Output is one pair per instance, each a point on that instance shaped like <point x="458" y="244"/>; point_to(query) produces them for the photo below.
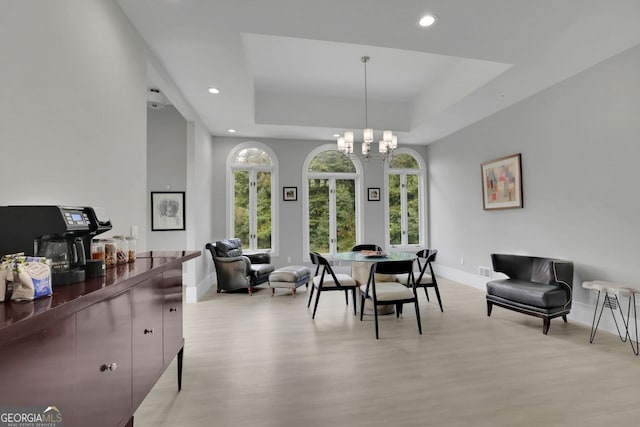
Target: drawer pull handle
<point x="109" y="367"/>
<point x="172" y="310"/>
<point x="148" y="331"/>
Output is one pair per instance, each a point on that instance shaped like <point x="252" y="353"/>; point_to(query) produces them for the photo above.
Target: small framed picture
<point x="289" y="194"/>
<point x="167" y="210"/>
<point x="373" y="194"/>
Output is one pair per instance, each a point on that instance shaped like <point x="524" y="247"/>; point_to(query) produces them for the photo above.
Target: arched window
<point x="332" y="200"/>
<point x="405" y="184"/>
<point x="252" y="179"/>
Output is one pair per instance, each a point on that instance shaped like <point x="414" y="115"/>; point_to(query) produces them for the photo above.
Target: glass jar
<point x="131" y="241"/>
<point x="110" y="252"/>
<point x="122" y="249"/>
<point x="97" y="249"/>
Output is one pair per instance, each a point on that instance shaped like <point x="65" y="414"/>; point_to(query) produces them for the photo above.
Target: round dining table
<point x="361" y="263"/>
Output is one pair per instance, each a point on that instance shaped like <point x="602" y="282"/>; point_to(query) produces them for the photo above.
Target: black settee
<point x="540" y="287"/>
<point x="235" y="270"/>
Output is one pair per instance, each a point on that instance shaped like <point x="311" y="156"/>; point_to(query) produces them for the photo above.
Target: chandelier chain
<point x="365" y="59"/>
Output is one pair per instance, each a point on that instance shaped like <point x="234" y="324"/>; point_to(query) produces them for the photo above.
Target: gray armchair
<point x="235" y="270"/>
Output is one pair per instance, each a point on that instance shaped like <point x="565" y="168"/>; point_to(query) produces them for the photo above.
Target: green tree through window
<point x="252" y="173"/>
<point x="332" y="202"/>
<point x="404" y="200"/>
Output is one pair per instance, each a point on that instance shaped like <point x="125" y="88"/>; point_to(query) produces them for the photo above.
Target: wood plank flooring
<point x="262" y="361"/>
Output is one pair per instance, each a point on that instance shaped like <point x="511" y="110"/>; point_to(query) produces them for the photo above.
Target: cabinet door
<point x="103" y="363"/>
<point x="37" y="369"/>
<point x="172" y="317"/>
<point x="146" y="321"/>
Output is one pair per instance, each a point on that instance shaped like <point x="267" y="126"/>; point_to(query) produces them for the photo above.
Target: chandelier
<point x="387" y="144"/>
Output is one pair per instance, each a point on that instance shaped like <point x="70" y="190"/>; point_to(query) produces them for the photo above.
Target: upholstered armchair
<point x="236" y="270"/>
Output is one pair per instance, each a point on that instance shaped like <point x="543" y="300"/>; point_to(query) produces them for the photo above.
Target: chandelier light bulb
<point x="368" y="135"/>
<point x="348" y="137"/>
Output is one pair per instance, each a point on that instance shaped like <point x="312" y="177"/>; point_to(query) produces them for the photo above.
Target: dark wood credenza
<point x="95" y="349"/>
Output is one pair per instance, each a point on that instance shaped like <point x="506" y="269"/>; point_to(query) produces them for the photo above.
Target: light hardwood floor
<point x="262" y="361"/>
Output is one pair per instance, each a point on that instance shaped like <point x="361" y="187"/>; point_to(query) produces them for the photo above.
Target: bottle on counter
<point x="131" y="241"/>
<point x="97" y="249"/>
<point x="122" y="249"/>
<point x="110" y="252"/>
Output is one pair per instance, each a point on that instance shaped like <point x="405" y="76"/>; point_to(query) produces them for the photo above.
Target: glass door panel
<point x="319" y="224"/>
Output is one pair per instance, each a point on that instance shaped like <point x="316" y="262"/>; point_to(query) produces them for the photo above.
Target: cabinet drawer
<point x="103" y="362"/>
<point x="172" y="314"/>
<point x="147" y="331"/>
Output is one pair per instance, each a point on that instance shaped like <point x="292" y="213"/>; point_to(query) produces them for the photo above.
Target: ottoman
<point x="290" y="277"/>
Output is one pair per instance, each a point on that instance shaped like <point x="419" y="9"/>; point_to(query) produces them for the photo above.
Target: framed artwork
<point x="502" y="183"/>
<point x="167" y="210"/>
<point x="373" y="194"/>
<point x="289" y="194"/>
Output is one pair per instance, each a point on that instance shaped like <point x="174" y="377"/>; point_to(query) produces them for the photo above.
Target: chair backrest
<point x="366" y="247"/>
<point x="391" y="268"/>
<point x="424" y="258"/>
<point x="321" y="262"/>
<point x="534" y="269"/>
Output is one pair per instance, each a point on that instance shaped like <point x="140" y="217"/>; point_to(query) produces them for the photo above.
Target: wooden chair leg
<point x="489" y="307"/>
<point x="418" y="317"/>
<point x="564" y="317"/>
<point x="375" y="315"/>
<point x="315" y="307"/>
<point x="313" y="288"/>
<point x="354" y="301"/>
<point x="546" y="322"/>
<point x="438" y="296"/>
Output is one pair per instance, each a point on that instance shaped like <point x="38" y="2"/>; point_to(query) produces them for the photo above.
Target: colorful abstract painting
<point x="502" y="183"/>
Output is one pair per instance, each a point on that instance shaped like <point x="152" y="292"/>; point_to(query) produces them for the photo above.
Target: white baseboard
<point x="195" y="293"/>
<point x="580" y="312"/>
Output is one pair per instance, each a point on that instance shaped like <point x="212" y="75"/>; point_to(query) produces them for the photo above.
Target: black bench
<point x="540" y="287"/>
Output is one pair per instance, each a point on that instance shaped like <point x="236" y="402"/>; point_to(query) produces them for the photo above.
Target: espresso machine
<point x="60" y="233"/>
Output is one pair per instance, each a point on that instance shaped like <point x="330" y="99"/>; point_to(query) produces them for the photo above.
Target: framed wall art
<point x="289" y="194"/>
<point x="373" y="194"/>
<point x="167" y="210"/>
<point x="502" y="183"/>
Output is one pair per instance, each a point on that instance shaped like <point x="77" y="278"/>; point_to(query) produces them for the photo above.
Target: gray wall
<point x="580" y="150"/>
<point x="73" y="122"/>
<point x="166" y="168"/>
<point x="73" y="109"/>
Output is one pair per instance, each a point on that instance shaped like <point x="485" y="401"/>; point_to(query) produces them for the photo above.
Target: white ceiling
<point x="292" y="69"/>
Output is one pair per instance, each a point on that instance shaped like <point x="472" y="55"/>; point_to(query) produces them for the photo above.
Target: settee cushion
<point x="528" y="292"/>
<point x="260" y="270"/>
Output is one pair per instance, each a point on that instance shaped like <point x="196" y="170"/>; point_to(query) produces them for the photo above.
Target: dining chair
<point x="325" y="279"/>
<point x="424" y="277"/>
<point x="390" y="293"/>
<point x="366" y="247"/>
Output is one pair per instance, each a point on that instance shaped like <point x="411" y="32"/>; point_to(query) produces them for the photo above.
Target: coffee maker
<point x="60" y="233"/>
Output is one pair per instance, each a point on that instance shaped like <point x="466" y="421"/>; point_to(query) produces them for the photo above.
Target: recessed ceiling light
<point x="231" y="130"/>
<point x="427" y="20"/>
<point x="214" y="90"/>
<point x="335" y="135"/>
